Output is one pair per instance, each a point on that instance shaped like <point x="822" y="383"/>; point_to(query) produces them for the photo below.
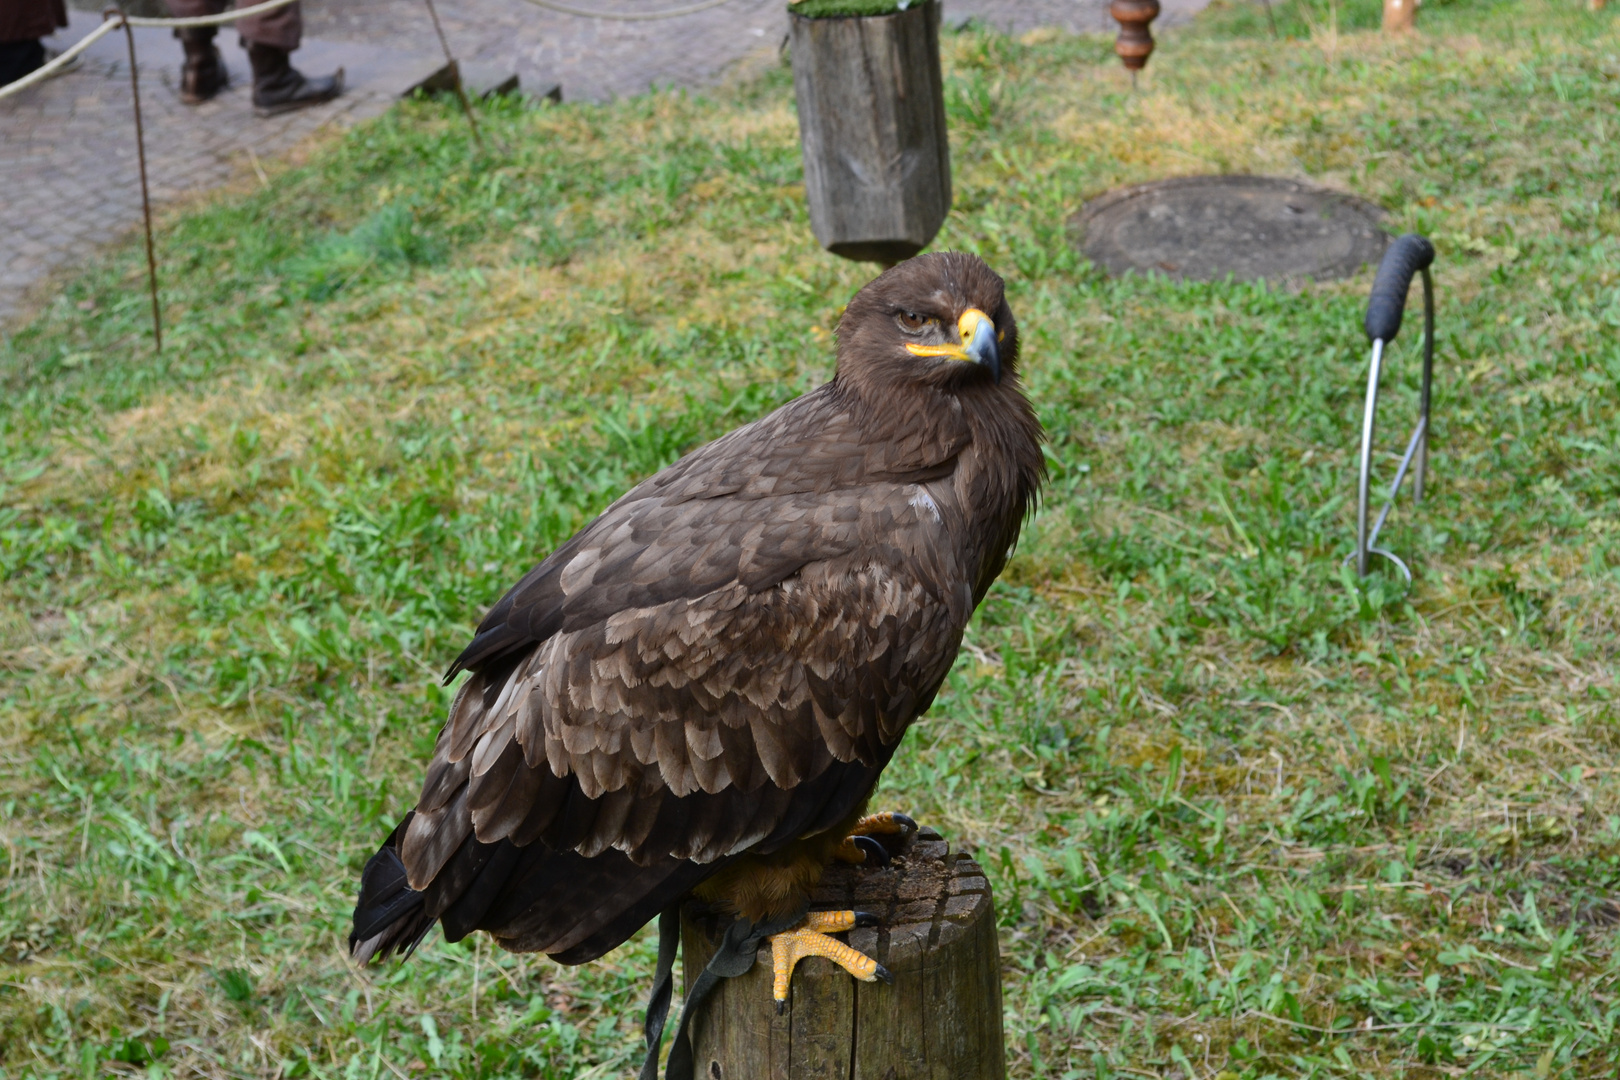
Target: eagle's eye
<point x="911" y="322"/>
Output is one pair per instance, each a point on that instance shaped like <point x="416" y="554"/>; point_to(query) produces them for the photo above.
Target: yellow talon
<point x="872" y="852"/>
<point x="810" y="938"/>
<point x="887" y="823"/>
<point x="849" y="851"/>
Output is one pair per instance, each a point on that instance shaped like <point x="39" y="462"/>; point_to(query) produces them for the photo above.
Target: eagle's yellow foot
<point x="861" y="849"/>
<point x="887" y="823"/>
<point x="810" y="938"/>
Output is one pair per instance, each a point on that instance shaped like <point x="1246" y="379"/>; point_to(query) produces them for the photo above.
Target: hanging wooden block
<point x="877" y="165"/>
<point x="1135" y="42"/>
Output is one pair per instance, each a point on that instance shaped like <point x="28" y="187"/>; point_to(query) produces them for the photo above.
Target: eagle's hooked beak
<point x="979" y="343"/>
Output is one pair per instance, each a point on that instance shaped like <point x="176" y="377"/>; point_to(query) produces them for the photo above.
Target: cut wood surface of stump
<point x="939" y="1020"/>
<point x="871" y="99"/>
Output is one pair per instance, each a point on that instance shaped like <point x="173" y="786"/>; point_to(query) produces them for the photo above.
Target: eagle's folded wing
<point x="735" y="694"/>
<point x="693" y="676"/>
<point x="737" y="687"/>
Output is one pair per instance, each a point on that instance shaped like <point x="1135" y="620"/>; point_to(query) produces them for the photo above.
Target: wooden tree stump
<point x="940" y="1020"/>
<point x="877" y="163"/>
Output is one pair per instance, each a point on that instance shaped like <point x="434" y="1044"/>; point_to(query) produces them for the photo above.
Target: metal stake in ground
<point x="1407" y="256"/>
<point x="455" y="71"/>
<point x="146" y="197"/>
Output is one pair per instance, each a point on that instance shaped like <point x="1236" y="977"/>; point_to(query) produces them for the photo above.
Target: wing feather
<point x="548" y="803"/>
<point x="498" y="814"/>
<point x="444" y="778"/>
<point x="433" y="837"/>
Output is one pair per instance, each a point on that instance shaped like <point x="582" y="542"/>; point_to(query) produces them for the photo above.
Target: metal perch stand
<point x="1408" y="255"/>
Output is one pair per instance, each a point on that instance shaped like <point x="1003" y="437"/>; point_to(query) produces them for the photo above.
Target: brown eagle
<point x="695" y="695"/>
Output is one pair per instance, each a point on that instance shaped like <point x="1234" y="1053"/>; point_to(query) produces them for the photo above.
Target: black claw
<point x="781" y="1008"/>
<point x="904" y="821"/>
<point x="876" y="853"/>
<point x="883" y="973"/>
<point x="866" y="918"/>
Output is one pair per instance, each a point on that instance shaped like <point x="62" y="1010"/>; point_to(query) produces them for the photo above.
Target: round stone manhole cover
<point x="1206" y="227"/>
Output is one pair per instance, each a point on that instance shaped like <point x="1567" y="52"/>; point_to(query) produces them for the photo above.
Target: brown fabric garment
<point x="282" y="28"/>
<point x="711" y="675"/>
<point x="28" y="20"/>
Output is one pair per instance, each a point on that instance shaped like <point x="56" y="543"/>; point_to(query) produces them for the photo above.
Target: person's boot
<point x="204" y="73"/>
<point x="278" y="86"/>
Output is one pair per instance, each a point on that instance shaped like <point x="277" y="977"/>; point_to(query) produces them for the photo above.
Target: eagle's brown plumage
<point x="698" y="691"/>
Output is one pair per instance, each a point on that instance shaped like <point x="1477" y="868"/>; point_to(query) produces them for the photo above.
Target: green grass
<point x="824" y="9"/>
<point x="1243" y="818"/>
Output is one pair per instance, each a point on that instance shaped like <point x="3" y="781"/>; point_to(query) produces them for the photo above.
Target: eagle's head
<point x="939" y="320"/>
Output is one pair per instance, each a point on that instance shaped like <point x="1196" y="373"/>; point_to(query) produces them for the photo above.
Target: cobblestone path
<point x="67" y="148"/>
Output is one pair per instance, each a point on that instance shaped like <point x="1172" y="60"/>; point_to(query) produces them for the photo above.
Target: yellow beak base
<point x="979" y="343"/>
<point x="967" y="327"/>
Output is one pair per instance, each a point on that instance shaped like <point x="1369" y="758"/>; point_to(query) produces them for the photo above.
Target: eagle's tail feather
<point x="531" y="899"/>
<point x="486" y="872"/>
<point x="634" y="900"/>
<point x="536" y="899"/>
<point x="389" y="916"/>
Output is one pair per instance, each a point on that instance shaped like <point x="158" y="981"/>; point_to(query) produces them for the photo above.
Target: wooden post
<point x="877" y="164"/>
<point x="940" y="1020"/>
<point x="1400" y="16"/>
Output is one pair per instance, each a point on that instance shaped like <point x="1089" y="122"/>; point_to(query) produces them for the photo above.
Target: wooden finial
<point x="1135" y="42"/>
<point x="1400" y="16"/>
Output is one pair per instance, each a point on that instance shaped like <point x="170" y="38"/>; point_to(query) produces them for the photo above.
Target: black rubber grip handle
<point x="1405" y="257"/>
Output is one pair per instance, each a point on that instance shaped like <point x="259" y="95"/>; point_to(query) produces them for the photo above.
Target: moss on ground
<point x="1242" y="817"/>
<point x="825" y="9"/>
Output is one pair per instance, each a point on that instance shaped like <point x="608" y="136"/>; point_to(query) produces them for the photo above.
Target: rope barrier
<point x="629" y="16"/>
<point x="118" y="21"/>
<point x="115" y="19"/>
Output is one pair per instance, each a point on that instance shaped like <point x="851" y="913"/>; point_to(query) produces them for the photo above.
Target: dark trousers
<point x="19" y="58"/>
<point x="282" y="28"/>
<point x="22" y="24"/>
